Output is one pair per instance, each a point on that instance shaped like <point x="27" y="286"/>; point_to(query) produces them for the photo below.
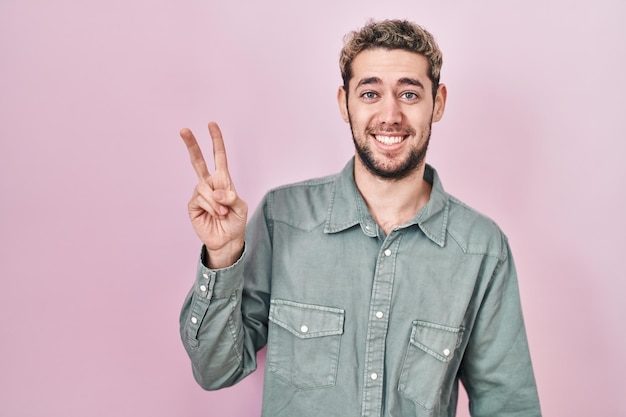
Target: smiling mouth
<point x="389" y="140"/>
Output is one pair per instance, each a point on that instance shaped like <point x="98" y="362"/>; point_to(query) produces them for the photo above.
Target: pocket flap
<point x="306" y="320"/>
<point x="435" y="339"/>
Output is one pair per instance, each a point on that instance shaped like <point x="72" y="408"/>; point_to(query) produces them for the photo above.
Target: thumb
<point x="229" y="199"/>
<point x="219" y="195"/>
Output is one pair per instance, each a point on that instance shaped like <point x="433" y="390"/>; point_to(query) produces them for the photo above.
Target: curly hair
<point x="391" y="34"/>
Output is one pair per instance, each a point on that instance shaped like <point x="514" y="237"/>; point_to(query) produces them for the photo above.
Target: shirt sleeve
<point x="223" y="323"/>
<point x="496" y="370"/>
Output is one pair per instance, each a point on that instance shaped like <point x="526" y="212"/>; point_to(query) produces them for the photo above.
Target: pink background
<point x="97" y="252"/>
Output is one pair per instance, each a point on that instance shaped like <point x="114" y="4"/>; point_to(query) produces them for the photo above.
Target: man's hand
<point x="217" y="213"/>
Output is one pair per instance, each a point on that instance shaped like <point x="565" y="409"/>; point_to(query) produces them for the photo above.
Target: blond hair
<point x="391" y="34"/>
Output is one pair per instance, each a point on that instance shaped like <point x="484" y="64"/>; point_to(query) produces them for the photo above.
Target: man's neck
<point x="392" y="202"/>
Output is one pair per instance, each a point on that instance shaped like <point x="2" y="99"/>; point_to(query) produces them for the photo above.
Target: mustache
<point x="396" y="130"/>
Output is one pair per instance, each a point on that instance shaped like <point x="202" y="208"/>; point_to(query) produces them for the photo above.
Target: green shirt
<point x="359" y="323"/>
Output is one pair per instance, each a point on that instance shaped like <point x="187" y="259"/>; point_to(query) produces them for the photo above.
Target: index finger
<point x="219" y="150"/>
<point x="195" y="154"/>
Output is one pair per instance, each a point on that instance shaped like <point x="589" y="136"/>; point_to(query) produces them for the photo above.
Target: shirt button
<point x="388" y="252"/>
<point x="374" y="376"/>
<point x="203" y="288"/>
<point x="206" y="276"/>
<point x="304" y="329"/>
<point x="379" y="315"/>
<point x="446" y="352"/>
<point x="194" y="320"/>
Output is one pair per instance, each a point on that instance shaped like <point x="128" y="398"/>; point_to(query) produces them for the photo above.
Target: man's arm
<point x="496" y="370"/>
<point x="220" y="343"/>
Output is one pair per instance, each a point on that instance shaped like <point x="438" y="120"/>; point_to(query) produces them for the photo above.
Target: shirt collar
<point x="347" y="208"/>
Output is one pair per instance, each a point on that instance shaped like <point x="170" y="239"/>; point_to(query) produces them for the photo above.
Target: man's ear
<point x="342" y="100"/>
<point x="440" y="102"/>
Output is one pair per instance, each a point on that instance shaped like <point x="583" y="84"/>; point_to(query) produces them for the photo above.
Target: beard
<point x="411" y="163"/>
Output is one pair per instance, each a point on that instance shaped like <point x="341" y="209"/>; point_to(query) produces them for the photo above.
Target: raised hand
<point x="217" y="213"/>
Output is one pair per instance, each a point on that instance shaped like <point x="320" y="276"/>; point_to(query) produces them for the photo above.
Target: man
<point x="375" y="291"/>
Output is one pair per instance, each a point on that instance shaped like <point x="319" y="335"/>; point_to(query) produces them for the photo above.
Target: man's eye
<point x="369" y="95"/>
<point x="409" y="95"/>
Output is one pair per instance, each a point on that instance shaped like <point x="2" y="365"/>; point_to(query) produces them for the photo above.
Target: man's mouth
<point x="389" y="140"/>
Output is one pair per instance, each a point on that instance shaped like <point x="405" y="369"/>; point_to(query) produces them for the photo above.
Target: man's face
<point x="390" y="109"/>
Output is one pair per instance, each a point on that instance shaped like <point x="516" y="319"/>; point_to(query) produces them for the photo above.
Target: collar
<point x="346" y="207"/>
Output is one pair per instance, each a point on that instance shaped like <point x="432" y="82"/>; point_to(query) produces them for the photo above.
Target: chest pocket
<point x="431" y="348"/>
<point x="304" y="341"/>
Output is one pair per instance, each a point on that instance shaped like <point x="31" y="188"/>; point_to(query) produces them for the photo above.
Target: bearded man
<point x="374" y="290"/>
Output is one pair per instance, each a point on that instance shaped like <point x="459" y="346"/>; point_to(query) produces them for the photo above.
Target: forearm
<point x="224" y="322"/>
<point x="225" y="257"/>
<point x="212" y="328"/>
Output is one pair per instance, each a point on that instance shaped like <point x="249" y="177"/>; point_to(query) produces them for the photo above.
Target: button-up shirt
<point x="360" y="323"/>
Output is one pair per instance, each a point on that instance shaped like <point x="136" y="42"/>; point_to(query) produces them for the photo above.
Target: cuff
<point x="219" y="283"/>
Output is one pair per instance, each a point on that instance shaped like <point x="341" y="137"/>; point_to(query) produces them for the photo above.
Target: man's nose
<point x="390" y="112"/>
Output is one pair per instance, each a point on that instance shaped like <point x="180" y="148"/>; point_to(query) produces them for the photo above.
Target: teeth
<point x="388" y="140"/>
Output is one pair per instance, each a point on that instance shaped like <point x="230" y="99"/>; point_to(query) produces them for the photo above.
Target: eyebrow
<point x="369" y="80"/>
<point x="411" y="81"/>
<point x="401" y="81"/>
